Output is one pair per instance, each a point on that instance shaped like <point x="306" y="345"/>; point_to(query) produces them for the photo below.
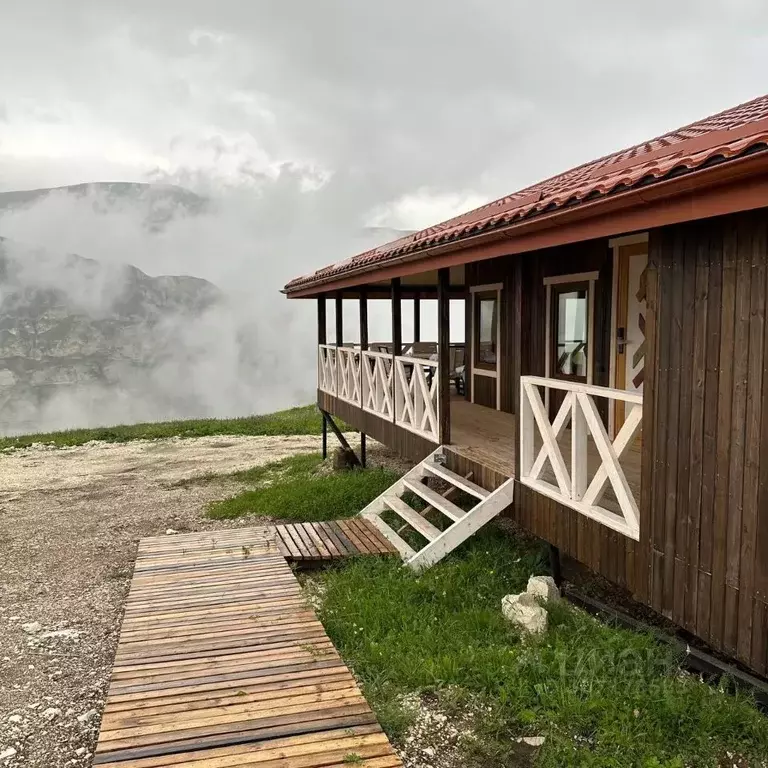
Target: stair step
<point x="433" y="498"/>
<point x="460" y="482"/>
<point x="406" y="551"/>
<point x="412" y="517"/>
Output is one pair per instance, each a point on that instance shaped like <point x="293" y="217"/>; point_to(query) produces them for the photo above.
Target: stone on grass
<point x="343" y="458"/>
<point x="524" y="611"/>
<point x="531" y="741"/>
<point x="543" y="587"/>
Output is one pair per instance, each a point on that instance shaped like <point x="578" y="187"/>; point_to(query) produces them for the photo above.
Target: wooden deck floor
<point x="222" y="663"/>
<point x="487" y="436"/>
<point x="484" y="435"/>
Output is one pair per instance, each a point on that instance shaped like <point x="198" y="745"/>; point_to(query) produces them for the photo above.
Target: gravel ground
<point x="70" y="519"/>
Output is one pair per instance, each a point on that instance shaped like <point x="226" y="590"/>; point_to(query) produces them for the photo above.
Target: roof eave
<point x="516" y="237"/>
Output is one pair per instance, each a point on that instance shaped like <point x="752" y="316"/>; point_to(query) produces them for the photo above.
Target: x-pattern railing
<point x="402" y="389"/>
<point x="416" y="387"/>
<point x="348" y="375"/>
<point x="573" y="486"/>
<point x="326" y="368"/>
<point x="377" y="384"/>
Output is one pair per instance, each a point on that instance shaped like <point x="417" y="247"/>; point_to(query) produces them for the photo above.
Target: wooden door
<point x="629" y="331"/>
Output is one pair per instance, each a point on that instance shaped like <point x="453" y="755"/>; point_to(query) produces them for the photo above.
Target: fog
<point x="251" y="351"/>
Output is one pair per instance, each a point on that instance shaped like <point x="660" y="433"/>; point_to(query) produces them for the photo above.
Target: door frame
<point x="494" y="374"/>
<point x="620" y="295"/>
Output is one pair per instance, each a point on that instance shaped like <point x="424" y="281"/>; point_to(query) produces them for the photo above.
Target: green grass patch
<point x="304" y="420"/>
<point x="293" y="489"/>
<point x="602" y="695"/>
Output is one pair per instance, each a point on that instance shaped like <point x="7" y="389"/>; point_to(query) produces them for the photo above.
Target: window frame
<point x="477" y="298"/>
<point x="556" y="290"/>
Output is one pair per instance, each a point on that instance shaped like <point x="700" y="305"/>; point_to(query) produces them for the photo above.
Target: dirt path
<point x="69" y="523"/>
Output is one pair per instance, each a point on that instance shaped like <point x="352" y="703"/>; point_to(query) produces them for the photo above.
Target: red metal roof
<point x="725" y="135"/>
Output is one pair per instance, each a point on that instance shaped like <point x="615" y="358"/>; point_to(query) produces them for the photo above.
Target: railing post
<point x="526" y="430"/>
<point x="578" y="451"/>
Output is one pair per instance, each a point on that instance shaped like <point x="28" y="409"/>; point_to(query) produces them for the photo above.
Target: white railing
<point x="348" y="375"/>
<point x="378" y="369"/>
<point x="326" y="368"/>
<point x="573" y="485"/>
<point x="416" y="388"/>
<point x="401" y="389"/>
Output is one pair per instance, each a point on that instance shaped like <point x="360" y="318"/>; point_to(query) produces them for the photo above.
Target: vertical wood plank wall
<point x="705" y="434"/>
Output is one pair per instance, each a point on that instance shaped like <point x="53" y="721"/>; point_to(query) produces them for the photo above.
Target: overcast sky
<point x="401" y="112"/>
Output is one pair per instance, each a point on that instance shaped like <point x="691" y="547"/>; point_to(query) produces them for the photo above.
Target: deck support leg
<point x="325" y="436"/>
<point x="340" y="437"/>
<point x="362" y="450"/>
<point x="555" y="565"/>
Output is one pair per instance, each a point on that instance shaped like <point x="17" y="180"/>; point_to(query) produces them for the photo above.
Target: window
<point x="486" y="329"/>
<point x="570" y="328"/>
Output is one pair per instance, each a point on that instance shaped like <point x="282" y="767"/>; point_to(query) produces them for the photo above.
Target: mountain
<point x="159" y="202"/>
<point x="69" y="323"/>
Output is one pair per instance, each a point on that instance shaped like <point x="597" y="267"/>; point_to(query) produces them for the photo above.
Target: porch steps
<point x="456" y="523"/>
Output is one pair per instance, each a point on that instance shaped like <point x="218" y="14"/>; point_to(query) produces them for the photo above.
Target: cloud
<point x="305" y="122"/>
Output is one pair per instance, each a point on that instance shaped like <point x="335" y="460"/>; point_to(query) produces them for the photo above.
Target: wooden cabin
<point x="611" y="390"/>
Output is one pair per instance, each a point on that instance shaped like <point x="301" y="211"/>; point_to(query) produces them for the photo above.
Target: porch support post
<point x="321" y="339"/>
<point x="444" y="355"/>
<point x="363" y="348"/>
<point x="321" y="321"/>
<point x="397" y="320"/>
<point x="339" y="319"/>
<point x="416" y="317"/>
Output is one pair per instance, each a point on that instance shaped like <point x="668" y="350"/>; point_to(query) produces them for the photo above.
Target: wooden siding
<point x="485" y="391"/>
<point x="482" y="474"/>
<point x="704" y="511"/>
<point x="406" y="443"/>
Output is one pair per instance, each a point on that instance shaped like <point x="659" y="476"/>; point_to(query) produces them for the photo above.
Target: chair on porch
<point x="457" y="367"/>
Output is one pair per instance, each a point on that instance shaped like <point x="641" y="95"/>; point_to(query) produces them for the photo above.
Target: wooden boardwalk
<point x="221" y="663"/>
<point x="302" y="542"/>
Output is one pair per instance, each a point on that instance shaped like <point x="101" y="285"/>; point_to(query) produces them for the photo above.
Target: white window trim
<point x="471" y="357"/>
<point x="579" y="277"/>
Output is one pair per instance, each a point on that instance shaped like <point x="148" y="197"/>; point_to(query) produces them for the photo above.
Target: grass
<point x="304" y="420"/>
<point x="293" y="489"/>
<point x="602" y="695"/>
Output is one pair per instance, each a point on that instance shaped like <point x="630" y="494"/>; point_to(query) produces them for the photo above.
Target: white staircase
<point x="458" y="524"/>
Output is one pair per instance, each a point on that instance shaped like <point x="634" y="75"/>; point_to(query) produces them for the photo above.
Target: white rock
<point x="15" y="719"/>
<point x="543" y="587"/>
<point x="87" y="716"/>
<point x="7" y="752"/>
<point x="533" y="741"/>
<point x="32" y="627"/>
<point x="80" y="751"/>
<point x="170" y="532"/>
<point x="525" y="612"/>
<point x="51" y="713"/>
<point x="428" y="751"/>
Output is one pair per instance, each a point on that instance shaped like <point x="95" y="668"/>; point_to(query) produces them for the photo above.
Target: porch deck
<point x="487" y="436"/>
<point x="483" y="435"/>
